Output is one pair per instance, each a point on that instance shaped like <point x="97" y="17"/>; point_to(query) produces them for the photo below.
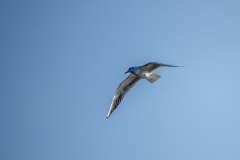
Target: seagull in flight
<point x="137" y="73"/>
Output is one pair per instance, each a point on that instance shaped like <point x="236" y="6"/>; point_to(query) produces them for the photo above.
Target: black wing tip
<point x="177" y="66"/>
<point x="165" y="65"/>
<point x="172" y="66"/>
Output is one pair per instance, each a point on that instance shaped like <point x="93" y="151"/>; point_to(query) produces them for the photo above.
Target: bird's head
<point x="131" y="70"/>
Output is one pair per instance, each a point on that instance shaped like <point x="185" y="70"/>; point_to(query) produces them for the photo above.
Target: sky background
<point x="62" y="61"/>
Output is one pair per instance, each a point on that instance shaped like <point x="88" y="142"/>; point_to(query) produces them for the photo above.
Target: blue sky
<point x="61" y="62"/>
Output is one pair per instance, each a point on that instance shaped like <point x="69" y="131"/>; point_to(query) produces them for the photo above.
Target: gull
<point x="136" y="74"/>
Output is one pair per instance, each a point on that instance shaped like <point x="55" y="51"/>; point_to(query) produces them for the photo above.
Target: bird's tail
<point x="153" y="78"/>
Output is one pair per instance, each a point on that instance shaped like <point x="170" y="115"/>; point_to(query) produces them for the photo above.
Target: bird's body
<point x="137" y="73"/>
<point x="141" y="73"/>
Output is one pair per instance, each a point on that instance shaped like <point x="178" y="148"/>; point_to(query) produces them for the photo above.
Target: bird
<point x="136" y="74"/>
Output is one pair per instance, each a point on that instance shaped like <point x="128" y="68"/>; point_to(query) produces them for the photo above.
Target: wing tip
<point x="174" y="66"/>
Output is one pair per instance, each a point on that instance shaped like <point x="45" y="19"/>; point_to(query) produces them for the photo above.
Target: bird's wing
<point x="152" y="66"/>
<point x="121" y="91"/>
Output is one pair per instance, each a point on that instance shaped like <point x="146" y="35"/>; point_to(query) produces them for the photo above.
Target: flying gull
<point x="137" y="73"/>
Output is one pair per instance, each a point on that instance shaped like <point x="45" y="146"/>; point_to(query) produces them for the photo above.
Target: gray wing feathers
<point x="122" y="90"/>
<point x="152" y="66"/>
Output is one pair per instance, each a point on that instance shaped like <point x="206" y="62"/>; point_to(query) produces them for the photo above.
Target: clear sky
<point x="62" y="61"/>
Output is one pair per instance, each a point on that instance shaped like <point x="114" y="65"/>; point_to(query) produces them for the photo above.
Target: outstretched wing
<point x="152" y="66"/>
<point x="121" y="91"/>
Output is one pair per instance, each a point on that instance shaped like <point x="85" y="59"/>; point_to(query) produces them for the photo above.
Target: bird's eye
<point x="129" y="69"/>
<point x="132" y="67"/>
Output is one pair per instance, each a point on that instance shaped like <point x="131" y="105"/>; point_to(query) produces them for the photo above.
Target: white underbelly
<point x="143" y="74"/>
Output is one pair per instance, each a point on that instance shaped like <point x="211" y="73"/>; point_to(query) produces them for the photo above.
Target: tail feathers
<point x="153" y="78"/>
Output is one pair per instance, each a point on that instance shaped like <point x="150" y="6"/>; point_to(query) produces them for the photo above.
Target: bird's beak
<point x="126" y="72"/>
